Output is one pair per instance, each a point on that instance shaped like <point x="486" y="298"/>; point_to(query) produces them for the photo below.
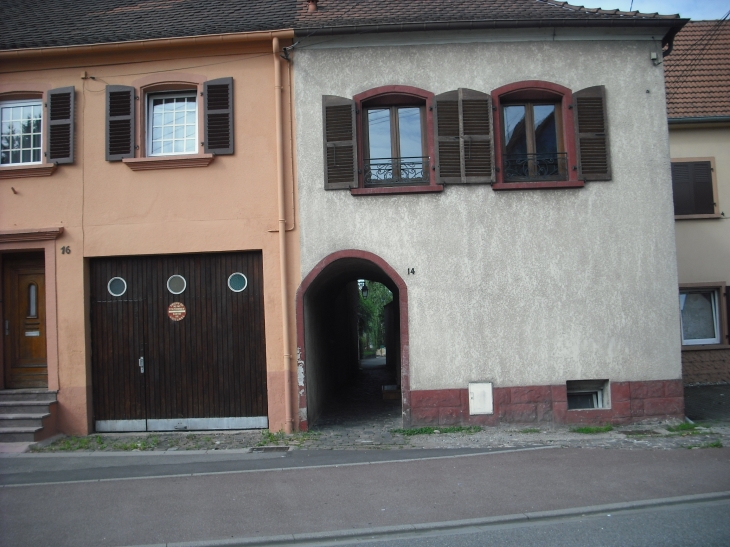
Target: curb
<point x="474" y="525"/>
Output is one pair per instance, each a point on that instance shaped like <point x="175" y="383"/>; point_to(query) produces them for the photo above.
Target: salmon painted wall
<point x="107" y="209"/>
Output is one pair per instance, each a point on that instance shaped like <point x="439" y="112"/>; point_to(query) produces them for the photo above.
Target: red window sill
<point x="425" y="189"/>
<point x="168" y="162"/>
<point x="24" y="171"/>
<point x="542" y="185"/>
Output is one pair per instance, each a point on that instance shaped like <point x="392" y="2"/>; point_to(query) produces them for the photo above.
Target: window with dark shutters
<point x="694" y="188"/>
<point x="60" y="148"/>
<point x="591" y="130"/>
<point x="340" y="151"/>
<point x="218" y="115"/>
<point x="119" y="122"/>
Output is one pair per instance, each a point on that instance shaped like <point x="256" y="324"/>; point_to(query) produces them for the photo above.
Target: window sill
<point x="538" y="185"/>
<point x="696" y="217"/>
<point x="425" y="189"/>
<point x="24" y="171"/>
<point x="705" y="347"/>
<point x="168" y="162"/>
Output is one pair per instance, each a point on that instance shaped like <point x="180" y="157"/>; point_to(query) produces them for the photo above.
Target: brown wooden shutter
<point x="218" y="116"/>
<point x="463" y="135"/>
<point x="591" y="134"/>
<point x="340" y="143"/>
<point x="447" y="138"/>
<point x="119" y="122"/>
<point x="477" y="137"/>
<point x="692" y="188"/>
<point x="60" y="144"/>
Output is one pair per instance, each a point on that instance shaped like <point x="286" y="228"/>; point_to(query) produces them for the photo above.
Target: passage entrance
<point x="178" y="342"/>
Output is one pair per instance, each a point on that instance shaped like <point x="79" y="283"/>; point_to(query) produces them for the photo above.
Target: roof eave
<point x="674" y="25"/>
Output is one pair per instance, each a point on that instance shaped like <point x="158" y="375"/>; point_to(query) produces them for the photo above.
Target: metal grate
<point x="391" y="171"/>
<point x="522" y="167"/>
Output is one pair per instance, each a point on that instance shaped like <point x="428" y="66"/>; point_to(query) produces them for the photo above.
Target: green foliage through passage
<point x="371" y="318"/>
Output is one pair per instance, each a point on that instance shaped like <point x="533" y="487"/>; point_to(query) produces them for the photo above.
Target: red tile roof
<point x="697" y="72"/>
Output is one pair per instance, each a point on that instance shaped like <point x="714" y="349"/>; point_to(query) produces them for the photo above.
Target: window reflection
<point x="32" y="300"/>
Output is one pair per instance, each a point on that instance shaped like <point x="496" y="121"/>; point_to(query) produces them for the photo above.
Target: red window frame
<point x="383" y="92"/>
<point x="531" y="90"/>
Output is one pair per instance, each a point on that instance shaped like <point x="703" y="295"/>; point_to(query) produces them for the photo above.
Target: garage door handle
<point x="141" y="365"/>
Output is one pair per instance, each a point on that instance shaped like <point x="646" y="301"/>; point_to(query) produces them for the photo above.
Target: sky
<point x="693" y="9"/>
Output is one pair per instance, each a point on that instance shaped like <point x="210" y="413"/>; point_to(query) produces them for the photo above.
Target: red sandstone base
<point x="630" y="402"/>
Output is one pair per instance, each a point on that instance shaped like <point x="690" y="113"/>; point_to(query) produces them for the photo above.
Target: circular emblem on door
<point x="176" y="311"/>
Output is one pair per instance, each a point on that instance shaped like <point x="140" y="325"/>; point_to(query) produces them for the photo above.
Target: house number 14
<point x="411" y="271"/>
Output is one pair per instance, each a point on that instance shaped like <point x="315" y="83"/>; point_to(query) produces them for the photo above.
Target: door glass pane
<point x="699" y="316"/>
<point x="546" y="137"/>
<point x="514" y="130"/>
<point x="32" y="300"/>
<point x="409" y="128"/>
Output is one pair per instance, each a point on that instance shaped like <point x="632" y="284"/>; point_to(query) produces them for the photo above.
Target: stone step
<point x="25" y="407"/>
<point x="18" y="434"/>
<point x="22" y="420"/>
<point x="27" y="395"/>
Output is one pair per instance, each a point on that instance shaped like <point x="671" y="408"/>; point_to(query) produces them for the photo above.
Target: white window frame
<point x="27" y="102"/>
<point x="715" y="302"/>
<point x="150" y="120"/>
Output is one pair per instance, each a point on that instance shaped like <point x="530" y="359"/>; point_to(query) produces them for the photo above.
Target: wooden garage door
<point x="192" y="360"/>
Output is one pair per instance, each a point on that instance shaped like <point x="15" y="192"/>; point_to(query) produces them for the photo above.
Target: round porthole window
<point x="116" y="286"/>
<point x="237" y="282"/>
<point x="176" y="284"/>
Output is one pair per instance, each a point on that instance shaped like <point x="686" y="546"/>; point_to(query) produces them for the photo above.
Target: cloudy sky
<point x="694" y="9"/>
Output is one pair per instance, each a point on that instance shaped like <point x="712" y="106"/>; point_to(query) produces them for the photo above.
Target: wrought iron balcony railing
<point x="519" y="167"/>
<point x="396" y="171"/>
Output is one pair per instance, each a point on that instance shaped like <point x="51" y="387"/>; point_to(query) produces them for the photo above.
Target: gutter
<point x="674" y="24"/>
<point x="142" y="45"/>
<point x="278" y="90"/>
<point x="703" y="119"/>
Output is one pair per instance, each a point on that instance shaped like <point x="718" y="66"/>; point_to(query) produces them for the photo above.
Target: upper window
<point x="171" y="120"/>
<point x="31" y="135"/>
<point x="20" y="140"/>
<point x="533" y="142"/>
<point x="694" y="188"/>
<point x="172" y="124"/>
<point x="399" y="139"/>
<point x="395" y="145"/>
<point x="703" y="317"/>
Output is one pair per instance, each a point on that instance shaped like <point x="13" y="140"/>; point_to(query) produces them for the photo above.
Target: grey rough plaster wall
<point x="520" y="287"/>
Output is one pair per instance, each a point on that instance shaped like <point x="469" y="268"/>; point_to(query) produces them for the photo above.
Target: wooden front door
<point x="24" y="297"/>
<point x="198" y="323"/>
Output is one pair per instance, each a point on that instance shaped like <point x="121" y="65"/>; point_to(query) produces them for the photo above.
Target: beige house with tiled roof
<point x="698" y="104"/>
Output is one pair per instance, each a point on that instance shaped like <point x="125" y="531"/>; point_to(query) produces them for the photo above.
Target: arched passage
<point x="326" y="336"/>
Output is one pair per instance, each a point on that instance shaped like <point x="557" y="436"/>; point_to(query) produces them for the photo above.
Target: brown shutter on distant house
<point x="340" y="143"/>
<point x="218" y="116"/>
<point x="447" y="133"/>
<point x="591" y="134"/>
<point x="119" y="122"/>
<point x="692" y="188"/>
<point x="477" y="137"/>
<point x="60" y="145"/>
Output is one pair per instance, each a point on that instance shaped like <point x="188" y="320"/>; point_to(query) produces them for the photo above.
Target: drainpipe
<point x="282" y="237"/>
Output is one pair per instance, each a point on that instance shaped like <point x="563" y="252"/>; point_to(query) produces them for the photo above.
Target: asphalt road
<point x="333" y="497"/>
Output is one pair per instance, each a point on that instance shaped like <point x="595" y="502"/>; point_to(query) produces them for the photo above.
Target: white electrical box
<point x="480" y="398"/>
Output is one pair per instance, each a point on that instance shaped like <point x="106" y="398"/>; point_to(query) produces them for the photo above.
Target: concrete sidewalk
<point x="354" y="495"/>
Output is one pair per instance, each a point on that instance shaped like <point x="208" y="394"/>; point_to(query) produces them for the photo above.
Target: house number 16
<point x="66" y="250"/>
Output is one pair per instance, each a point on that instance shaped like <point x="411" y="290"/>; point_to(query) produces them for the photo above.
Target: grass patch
<point x="530" y="430"/>
<point x="685" y="426"/>
<point x="72" y="444"/>
<point x="150" y="443"/>
<point x="592" y="429"/>
<point x="713" y="444"/>
<point x="469" y="429"/>
<point x="269" y="438"/>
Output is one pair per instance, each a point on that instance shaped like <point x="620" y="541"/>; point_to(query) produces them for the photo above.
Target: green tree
<point x="371" y="317"/>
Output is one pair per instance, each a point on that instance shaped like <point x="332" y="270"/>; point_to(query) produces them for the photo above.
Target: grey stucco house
<point x="503" y="167"/>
